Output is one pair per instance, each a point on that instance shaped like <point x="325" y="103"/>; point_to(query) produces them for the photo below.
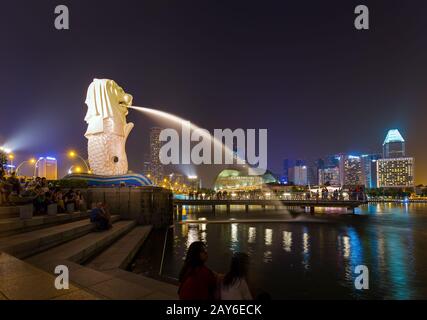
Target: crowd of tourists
<point x="198" y="282"/>
<point x="38" y="191"/>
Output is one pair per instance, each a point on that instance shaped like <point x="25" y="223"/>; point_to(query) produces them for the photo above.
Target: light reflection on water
<point x="309" y="260"/>
<point x="251" y="235"/>
<point x="287" y="241"/>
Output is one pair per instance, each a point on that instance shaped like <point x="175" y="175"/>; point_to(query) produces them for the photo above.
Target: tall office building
<point x="299" y="174"/>
<point x="47" y="167"/>
<point x="287" y="165"/>
<point x="350" y="170"/>
<point x="394" y="145"/>
<point x="156" y="167"/>
<point x="313" y="167"/>
<point x="329" y="176"/>
<point x="146" y="165"/>
<point x="395" y="170"/>
<point x="331" y="161"/>
<point x="369" y="170"/>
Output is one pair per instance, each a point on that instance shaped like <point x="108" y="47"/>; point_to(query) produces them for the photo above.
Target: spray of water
<point x="186" y="123"/>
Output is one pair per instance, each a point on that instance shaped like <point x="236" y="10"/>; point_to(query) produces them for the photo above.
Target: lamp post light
<point x="31" y="161"/>
<point x="72" y="154"/>
<point x="11" y="157"/>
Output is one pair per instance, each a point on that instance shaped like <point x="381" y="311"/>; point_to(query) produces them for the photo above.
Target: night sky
<point x="298" y="68"/>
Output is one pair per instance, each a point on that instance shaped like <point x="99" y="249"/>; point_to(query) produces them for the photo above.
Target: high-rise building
<point x="47" y="167"/>
<point x="329" y="176"/>
<point x="156" y="167"/>
<point x="394" y="145"/>
<point x="369" y="170"/>
<point x="146" y="165"/>
<point x="313" y="167"/>
<point x="395" y="172"/>
<point x="287" y="165"/>
<point x="300" y="174"/>
<point x="331" y="161"/>
<point x="350" y="170"/>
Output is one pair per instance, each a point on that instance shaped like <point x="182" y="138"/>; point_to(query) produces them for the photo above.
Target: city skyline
<point x="340" y="169"/>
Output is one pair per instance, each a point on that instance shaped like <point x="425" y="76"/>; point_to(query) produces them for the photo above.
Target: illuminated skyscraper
<point x="395" y="172"/>
<point x="300" y="175"/>
<point x="47" y="167"/>
<point x="329" y="176"/>
<point x="146" y="165"/>
<point x="350" y="170"/>
<point x="369" y="170"/>
<point x="156" y="167"/>
<point x="394" y="145"/>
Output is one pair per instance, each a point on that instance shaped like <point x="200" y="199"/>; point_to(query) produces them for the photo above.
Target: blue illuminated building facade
<point x="369" y="169"/>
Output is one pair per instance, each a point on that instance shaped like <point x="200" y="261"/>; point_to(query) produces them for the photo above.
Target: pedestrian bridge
<point x="263" y="203"/>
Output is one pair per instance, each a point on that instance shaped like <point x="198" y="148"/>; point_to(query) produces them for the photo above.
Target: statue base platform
<point x="93" y="180"/>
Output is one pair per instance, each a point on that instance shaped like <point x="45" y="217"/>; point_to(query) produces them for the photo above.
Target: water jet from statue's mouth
<point x="185" y="123"/>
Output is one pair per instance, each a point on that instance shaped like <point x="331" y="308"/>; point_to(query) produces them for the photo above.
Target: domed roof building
<point x="238" y="179"/>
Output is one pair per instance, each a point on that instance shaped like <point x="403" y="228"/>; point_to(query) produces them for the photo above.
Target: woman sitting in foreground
<point x="234" y="285"/>
<point x="197" y="282"/>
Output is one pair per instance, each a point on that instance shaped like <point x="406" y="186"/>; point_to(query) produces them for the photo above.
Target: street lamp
<point x="31" y="161"/>
<point x="72" y="154"/>
<point x="11" y="157"/>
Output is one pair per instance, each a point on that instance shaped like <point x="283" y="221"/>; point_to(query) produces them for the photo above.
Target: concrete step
<point x="29" y="243"/>
<point x="160" y="290"/>
<point x="121" y="253"/>
<point x="9" y="212"/>
<point x="22" y="281"/>
<point x="109" y="286"/>
<point x="12" y="226"/>
<point x="83" y="248"/>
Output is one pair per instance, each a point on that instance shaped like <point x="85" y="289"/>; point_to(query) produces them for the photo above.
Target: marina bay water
<point x="302" y="258"/>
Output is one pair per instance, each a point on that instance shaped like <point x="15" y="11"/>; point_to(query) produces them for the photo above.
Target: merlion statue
<point x="107" y="129"/>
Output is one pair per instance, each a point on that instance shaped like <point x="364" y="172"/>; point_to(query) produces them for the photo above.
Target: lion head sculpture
<point x="105" y="99"/>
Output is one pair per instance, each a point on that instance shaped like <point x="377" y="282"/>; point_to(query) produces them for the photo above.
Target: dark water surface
<point x="306" y="259"/>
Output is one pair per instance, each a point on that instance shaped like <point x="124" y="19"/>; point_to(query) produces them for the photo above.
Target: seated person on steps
<point x="100" y="216"/>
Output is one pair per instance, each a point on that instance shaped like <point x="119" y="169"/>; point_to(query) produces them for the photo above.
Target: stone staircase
<point x="28" y="243"/>
<point x="9" y="212"/>
<point x="70" y="240"/>
<point x="10" y="226"/>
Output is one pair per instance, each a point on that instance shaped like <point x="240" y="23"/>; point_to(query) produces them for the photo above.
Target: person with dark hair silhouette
<point x="197" y="282"/>
<point x="234" y="285"/>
